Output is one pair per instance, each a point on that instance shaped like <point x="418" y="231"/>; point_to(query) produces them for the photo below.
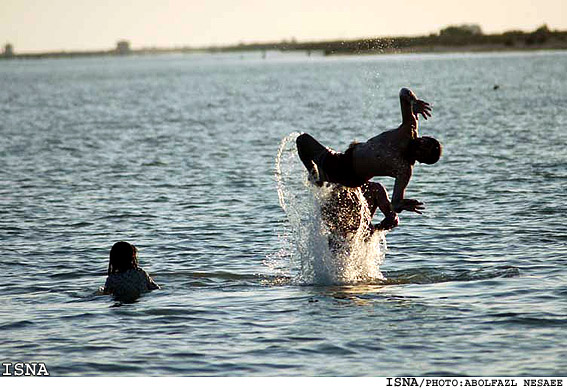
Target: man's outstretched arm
<point x="411" y="108"/>
<point x="399" y="203"/>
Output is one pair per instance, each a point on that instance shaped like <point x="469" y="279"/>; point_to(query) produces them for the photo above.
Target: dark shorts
<point x="333" y="167"/>
<point x="338" y="168"/>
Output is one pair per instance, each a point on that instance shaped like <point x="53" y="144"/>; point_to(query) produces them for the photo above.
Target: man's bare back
<point x="392" y="153"/>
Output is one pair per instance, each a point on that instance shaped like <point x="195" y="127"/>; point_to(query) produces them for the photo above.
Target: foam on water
<point x="315" y="253"/>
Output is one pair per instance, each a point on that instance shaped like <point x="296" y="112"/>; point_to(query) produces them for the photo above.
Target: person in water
<point x="343" y="212"/>
<point x="392" y="153"/>
<point x="126" y="280"/>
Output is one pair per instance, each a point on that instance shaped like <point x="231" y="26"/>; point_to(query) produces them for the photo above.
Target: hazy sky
<point x="42" y="25"/>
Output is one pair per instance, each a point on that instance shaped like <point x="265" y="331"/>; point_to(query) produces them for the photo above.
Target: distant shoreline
<point x="453" y="41"/>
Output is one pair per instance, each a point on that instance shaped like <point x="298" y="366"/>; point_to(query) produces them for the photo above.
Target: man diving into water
<point x="392" y="153"/>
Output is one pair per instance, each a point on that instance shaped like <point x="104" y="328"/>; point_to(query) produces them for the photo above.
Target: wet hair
<point x="426" y="150"/>
<point x="123" y="256"/>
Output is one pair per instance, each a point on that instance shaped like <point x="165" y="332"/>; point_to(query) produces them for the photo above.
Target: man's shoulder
<point x="388" y="136"/>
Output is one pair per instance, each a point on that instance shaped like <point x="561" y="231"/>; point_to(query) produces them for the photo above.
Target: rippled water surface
<point x="178" y="155"/>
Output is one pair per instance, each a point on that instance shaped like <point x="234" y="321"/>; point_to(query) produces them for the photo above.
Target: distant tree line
<point x="465" y="37"/>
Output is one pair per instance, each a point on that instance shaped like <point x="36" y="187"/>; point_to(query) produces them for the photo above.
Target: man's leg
<point x="311" y="153"/>
<point x="309" y="149"/>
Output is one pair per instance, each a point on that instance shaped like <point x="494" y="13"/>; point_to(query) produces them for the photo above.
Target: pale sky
<point x="48" y="25"/>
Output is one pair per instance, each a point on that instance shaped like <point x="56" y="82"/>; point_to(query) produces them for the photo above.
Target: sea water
<point x="179" y="155"/>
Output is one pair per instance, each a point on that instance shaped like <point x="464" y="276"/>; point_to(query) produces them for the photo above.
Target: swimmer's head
<point x="123" y="256"/>
<point x="426" y="150"/>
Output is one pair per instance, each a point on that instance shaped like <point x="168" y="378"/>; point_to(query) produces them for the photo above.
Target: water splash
<point x="314" y="250"/>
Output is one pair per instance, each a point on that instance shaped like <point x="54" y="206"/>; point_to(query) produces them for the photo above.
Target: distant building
<point x="8" y="50"/>
<point x="123" y="47"/>
<point x="462" y="30"/>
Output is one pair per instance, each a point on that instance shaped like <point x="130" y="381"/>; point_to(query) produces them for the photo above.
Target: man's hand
<point x="409" y="205"/>
<point x="421" y="107"/>
<point x="388" y="223"/>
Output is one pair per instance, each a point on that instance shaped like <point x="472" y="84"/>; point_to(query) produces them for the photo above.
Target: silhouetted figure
<point x="343" y="210"/>
<point x="392" y="153"/>
<point x="126" y="280"/>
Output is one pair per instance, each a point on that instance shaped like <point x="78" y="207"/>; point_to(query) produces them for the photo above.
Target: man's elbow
<point x="407" y="94"/>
